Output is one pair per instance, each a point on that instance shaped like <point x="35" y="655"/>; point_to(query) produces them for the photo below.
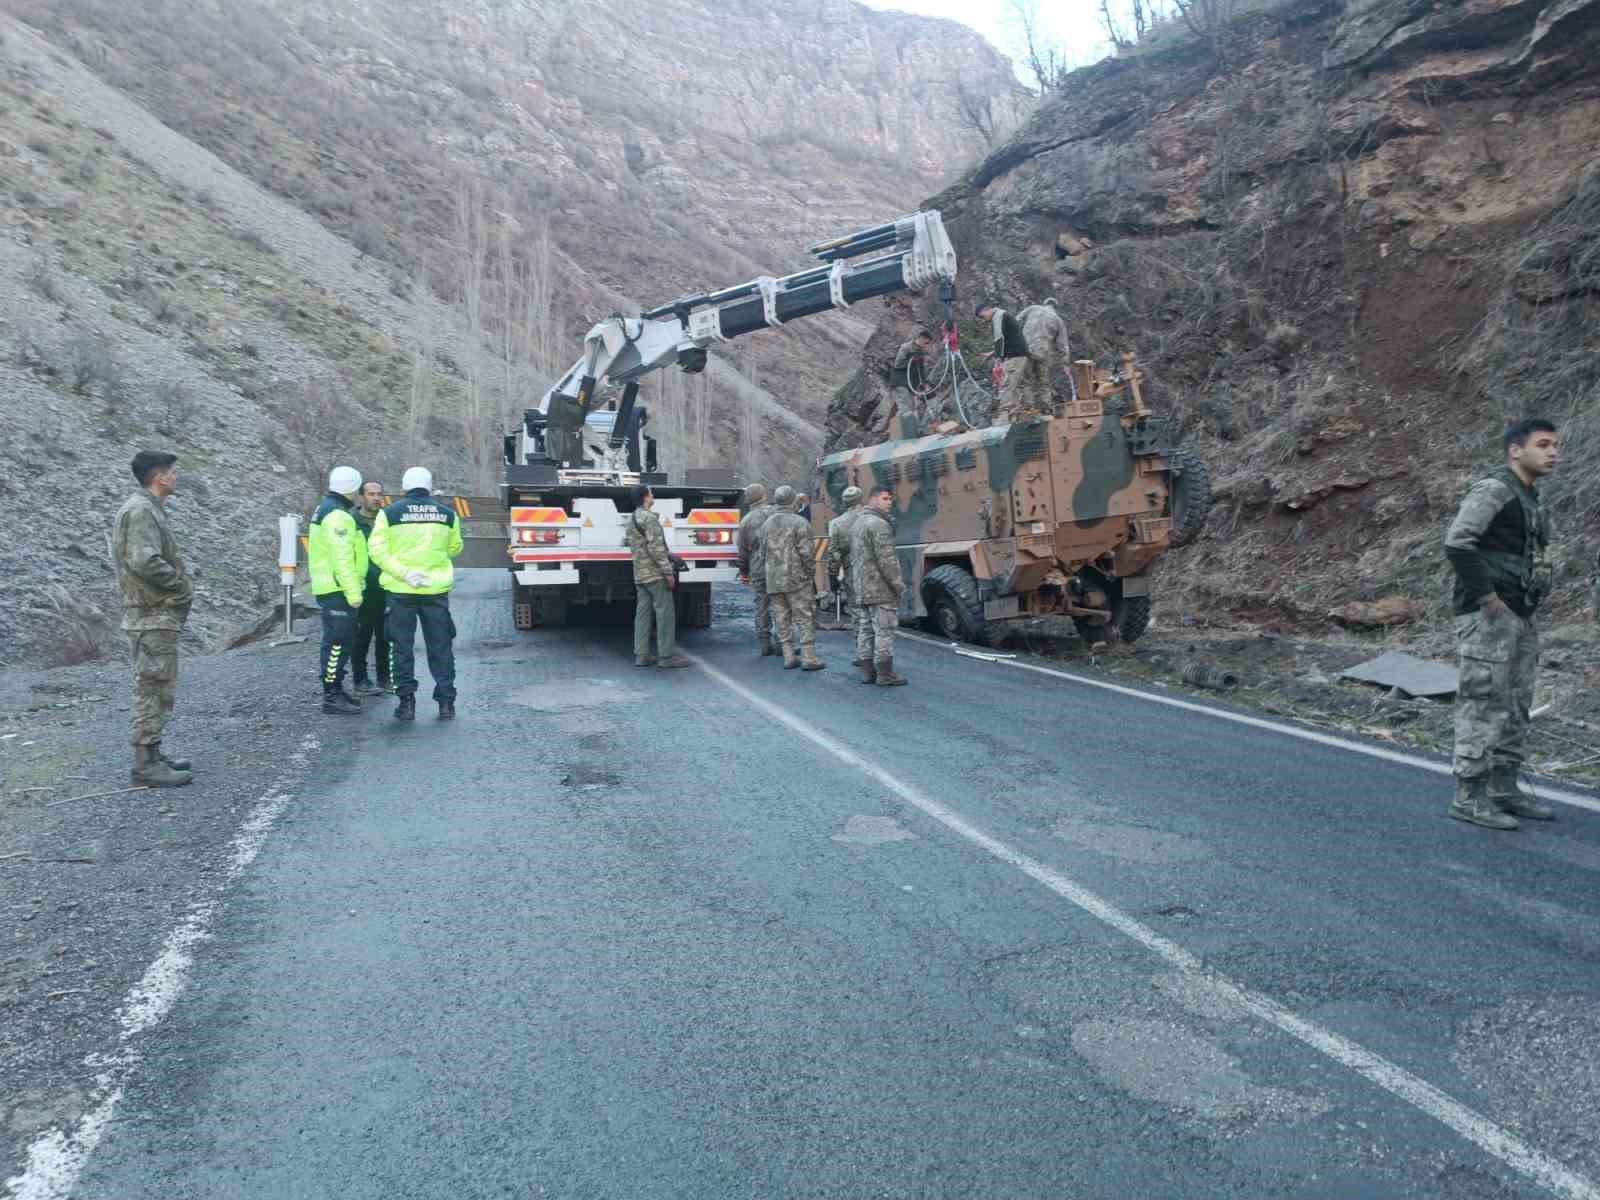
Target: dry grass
<point x="1537" y="352"/>
<point x="76" y="631"/>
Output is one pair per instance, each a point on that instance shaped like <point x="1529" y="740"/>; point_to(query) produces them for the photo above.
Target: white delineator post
<point x="288" y="561"/>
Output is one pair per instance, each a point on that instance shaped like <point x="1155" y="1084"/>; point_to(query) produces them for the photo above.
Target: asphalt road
<point x="734" y="931"/>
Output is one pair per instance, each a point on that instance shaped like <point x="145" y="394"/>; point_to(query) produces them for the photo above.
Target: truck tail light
<point x="714" y="537"/>
<point x="538" y="537"/>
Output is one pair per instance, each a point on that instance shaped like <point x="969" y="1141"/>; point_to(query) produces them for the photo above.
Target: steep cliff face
<point x="666" y="146"/>
<point x="279" y="234"/>
<point x="1347" y="253"/>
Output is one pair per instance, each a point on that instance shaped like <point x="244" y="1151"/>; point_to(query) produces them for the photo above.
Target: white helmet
<point x="344" y="481"/>
<point x="417" y="477"/>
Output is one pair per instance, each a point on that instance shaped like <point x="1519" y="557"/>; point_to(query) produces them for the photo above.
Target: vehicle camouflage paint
<point x="1053" y="515"/>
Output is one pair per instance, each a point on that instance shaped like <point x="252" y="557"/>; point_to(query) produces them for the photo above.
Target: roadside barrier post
<point x="288" y="556"/>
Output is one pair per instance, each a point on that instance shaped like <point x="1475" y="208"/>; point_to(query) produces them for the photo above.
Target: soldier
<point x="877" y="585"/>
<point x="839" y="565"/>
<point x="156" y="595"/>
<point x="1499" y="547"/>
<point x="910" y="370"/>
<point x="413" y="541"/>
<point x="369" y="617"/>
<point x="655" y="578"/>
<point x="1038" y="336"/>
<point x="336" y="555"/>
<point x="792" y="580"/>
<point x="752" y="562"/>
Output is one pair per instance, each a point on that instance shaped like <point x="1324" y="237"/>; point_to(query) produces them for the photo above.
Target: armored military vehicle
<point x="1049" y="516"/>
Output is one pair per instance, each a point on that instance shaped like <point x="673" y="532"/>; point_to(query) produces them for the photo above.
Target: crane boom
<point x="906" y="255"/>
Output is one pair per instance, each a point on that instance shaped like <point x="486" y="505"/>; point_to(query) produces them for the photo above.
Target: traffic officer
<point x="369" y="618"/>
<point x="413" y="541"/>
<point x="1499" y="546"/>
<point x="337" y="557"/>
<point x="839" y="569"/>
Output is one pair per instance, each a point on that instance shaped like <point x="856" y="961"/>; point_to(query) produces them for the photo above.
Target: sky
<point x="1073" y="25"/>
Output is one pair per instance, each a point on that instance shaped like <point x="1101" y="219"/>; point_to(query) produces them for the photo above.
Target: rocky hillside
<point x="275" y="235"/>
<point x="1349" y="242"/>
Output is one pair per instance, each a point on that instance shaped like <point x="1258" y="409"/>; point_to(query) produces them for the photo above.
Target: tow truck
<point x="571" y="464"/>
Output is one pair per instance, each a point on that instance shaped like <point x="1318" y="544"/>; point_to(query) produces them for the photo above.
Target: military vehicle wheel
<point x="1191" y="498"/>
<point x="954" y="609"/>
<point x="1132" y="616"/>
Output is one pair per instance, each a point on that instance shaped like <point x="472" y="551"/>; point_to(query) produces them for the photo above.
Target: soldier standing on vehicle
<point x="336" y="555"/>
<point x="877" y="585"/>
<point x="792" y="580"/>
<point x="1037" y="336"/>
<point x="655" y="578"/>
<point x="370" y="616"/>
<point x="910" y="369"/>
<point x="413" y="541"/>
<point x="156" y="595"/>
<point x="1499" y="546"/>
<point x="839" y="563"/>
<point x="752" y="562"/>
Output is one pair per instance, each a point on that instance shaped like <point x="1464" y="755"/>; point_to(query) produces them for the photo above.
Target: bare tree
<point x="1046" y="62"/>
<point x="1209" y="20"/>
<point x="480" y="417"/>
<point x="976" y="110"/>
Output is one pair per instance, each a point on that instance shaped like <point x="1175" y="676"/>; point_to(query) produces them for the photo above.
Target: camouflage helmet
<point x="755" y="493"/>
<point x="851" y="494"/>
<point x="784" y="496"/>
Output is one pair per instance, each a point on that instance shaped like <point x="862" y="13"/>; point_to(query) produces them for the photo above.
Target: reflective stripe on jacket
<point x="416" y="533"/>
<point x="336" y="553"/>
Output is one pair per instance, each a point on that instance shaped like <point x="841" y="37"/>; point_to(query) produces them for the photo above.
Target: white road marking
<point x="1391" y="1077"/>
<point x="1559" y="795"/>
<point x="57" y="1157"/>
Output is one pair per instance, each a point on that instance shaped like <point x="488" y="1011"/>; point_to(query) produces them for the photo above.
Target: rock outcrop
<point x="1329" y="248"/>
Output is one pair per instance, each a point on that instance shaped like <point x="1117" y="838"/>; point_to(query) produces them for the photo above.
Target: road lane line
<point x="1494" y="1140"/>
<point x="56" y="1158"/>
<point x="1560" y="795"/>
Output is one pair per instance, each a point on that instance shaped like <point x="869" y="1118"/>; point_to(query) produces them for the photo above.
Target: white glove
<point x="416" y="578"/>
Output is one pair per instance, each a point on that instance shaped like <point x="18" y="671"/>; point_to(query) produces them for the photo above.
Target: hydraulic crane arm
<point x="905" y="255"/>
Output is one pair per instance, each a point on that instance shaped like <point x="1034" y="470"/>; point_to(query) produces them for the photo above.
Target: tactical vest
<point x="1528" y="571"/>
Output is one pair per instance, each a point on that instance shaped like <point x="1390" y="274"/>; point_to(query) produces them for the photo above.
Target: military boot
<point x="447" y="710"/>
<point x="150" y="771"/>
<point x="339" y="703"/>
<point x="177" y="764"/>
<point x="406" y="710"/>
<point x="1472" y="804"/>
<point x="767" y="648"/>
<point x="1509" y="796"/>
<point x="886" y="675"/>
<point x="790" y="659"/>
<point x="809" y="660"/>
<point x="645" y="660"/>
<point x="869" y="672"/>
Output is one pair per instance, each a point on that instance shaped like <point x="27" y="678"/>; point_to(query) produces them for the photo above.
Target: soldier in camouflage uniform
<point x="1035" y="344"/>
<point x="156" y="596"/>
<point x="792" y="580"/>
<point x="753" y="563"/>
<point x="655" y="578"/>
<point x="839" y="565"/>
<point x="877" y="585"/>
<point x="1499" y="546"/>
